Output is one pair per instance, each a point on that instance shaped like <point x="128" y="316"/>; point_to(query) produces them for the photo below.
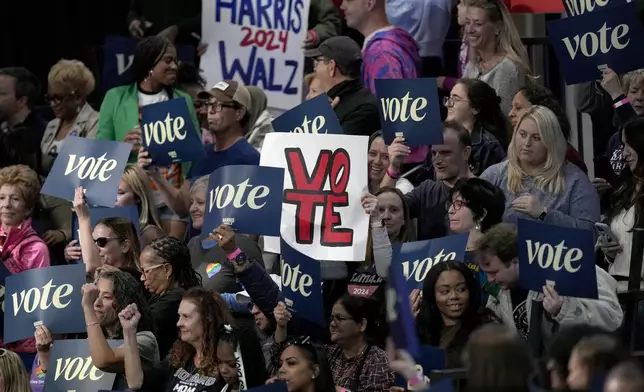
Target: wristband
<point x="93" y="323"/>
<point x="232" y="256"/>
<point x="415" y="380"/>
<point x="621" y="102"/>
<point x="393" y="175"/>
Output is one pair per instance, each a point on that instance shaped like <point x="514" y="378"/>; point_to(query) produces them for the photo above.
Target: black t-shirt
<point x="187" y="379"/>
<point x="519" y="312"/>
<point x="364" y="282"/>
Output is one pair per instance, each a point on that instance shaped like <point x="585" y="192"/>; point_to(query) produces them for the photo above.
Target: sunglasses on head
<point x="101" y="242"/>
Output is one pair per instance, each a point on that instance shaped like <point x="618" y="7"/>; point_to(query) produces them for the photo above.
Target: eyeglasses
<point x="217" y="106"/>
<point x="57" y="99"/>
<point x="338" y="319"/>
<point x="101" y="242"/>
<point x="150" y="268"/>
<point x="456" y="204"/>
<point x="449" y="102"/>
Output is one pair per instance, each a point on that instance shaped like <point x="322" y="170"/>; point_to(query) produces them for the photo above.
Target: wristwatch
<point x="238" y="257"/>
<point x="543" y="214"/>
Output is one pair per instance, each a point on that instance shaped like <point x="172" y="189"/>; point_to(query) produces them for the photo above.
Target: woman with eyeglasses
<point x="357" y="364"/>
<point x="304" y="367"/>
<point x="13" y="376"/>
<point x="240" y="359"/>
<point x="166" y="274"/>
<point x="192" y="361"/>
<point x="475" y="105"/>
<point x="70" y="82"/>
<point x="113" y="241"/>
<point x="154" y="70"/>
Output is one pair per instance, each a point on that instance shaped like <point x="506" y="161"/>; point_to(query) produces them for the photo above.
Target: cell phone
<point x="606" y="236"/>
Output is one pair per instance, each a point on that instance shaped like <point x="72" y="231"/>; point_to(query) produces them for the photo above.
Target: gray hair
<point x="201" y="182"/>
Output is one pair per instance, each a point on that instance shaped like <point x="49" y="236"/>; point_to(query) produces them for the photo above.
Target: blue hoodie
<point x="428" y="21"/>
<point x="389" y="53"/>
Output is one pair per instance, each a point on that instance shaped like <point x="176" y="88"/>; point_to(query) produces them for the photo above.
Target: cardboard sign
<point x="258" y="43"/>
<point x="96" y="165"/>
<point x="587" y="43"/>
<point x="536" y="7"/>
<point x="579" y="7"/>
<point x="277" y="386"/>
<point x="561" y="257"/>
<point x="71" y="368"/>
<point x="302" y="285"/>
<point x="118" y="55"/>
<point x="324" y="179"/>
<point x="313" y="116"/>
<point x="96" y="214"/>
<point x="169" y="133"/>
<point x="402" y="326"/>
<point x="429" y="359"/>
<point x="49" y="295"/>
<point x="409" y="108"/>
<point x="415" y="259"/>
<point x="246" y="197"/>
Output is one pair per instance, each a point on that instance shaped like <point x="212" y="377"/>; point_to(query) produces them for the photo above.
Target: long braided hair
<point x="174" y="252"/>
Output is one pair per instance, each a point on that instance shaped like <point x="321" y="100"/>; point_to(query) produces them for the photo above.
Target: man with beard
<point x="21" y="130"/>
<point x="427" y="201"/>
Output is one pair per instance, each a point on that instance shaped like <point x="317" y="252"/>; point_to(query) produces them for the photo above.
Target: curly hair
<point x="23" y="178"/>
<point x="214" y="315"/>
<point x="73" y="75"/>
<point x="126" y="291"/>
<point x="174" y="252"/>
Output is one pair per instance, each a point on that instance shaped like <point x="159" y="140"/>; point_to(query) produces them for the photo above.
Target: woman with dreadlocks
<point x="167" y="274"/>
<point x="154" y="70"/>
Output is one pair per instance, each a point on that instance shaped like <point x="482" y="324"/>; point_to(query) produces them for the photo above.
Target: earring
<point x="478" y="226"/>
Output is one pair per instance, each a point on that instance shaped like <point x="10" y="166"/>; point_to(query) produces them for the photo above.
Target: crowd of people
<point x="506" y="156"/>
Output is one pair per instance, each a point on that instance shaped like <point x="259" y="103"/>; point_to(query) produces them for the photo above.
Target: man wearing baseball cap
<point x="337" y="67"/>
<point x="229" y="106"/>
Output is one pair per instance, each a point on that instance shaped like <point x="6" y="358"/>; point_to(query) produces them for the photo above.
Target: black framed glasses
<point x="102" y="242"/>
<point x="456" y="205"/>
<point x="449" y="102"/>
<point x="217" y="106"/>
<point x="57" y="99"/>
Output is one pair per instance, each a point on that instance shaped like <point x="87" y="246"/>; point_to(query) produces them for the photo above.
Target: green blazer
<point x="120" y="113"/>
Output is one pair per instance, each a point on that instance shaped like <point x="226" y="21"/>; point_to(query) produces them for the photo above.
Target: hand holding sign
<point x="415" y="299"/>
<point x="80" y="206"/>
<point x="370" y="205"/>
<point x="611" y="83"/>
<point x="133" y="137"/>
<point x="552" y="302"/>
<point x="129" y="318"/>
<point x="398" y="151"/>
<point x="282" y="315"/>
<point x="145" y="162"/>
<point x="44" y="340"/>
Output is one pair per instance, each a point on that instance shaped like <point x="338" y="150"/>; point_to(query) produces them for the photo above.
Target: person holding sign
<point x="113" y="241"/>
<point x="519" y="309"/>
<point x="20" y="247"/>
<point x="378" y="161"/>
<point x="338" y="64"/>
<point x="192" y="359"/>
<point x="538" y="182"/>
<point x="474" y="104"/>
<point x="155" y="71"/>
<point x="499" y="57"/>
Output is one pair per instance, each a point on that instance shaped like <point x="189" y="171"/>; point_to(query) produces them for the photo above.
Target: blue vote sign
<point x="71" y="368"/>
<point x="415" y="259"/>
<point x="302" y="285"/>
<point x="96" y="165"/>
<point x="98" y="213"/>
<point x="402" y="326"/>
<point x="4" y="273"/>
<point x="49" y="295"/>
<point x="169" y="134"/>
<point x="590" y="42"/>
<point x="409" y="108"/>
<point x="313" y="116"/>
<point x="118" y="56"/>
<point x="561" y="257"/>
<point x="278" y="386"/>
<point x="579" y="7"/>
<point x="246" y="197"/>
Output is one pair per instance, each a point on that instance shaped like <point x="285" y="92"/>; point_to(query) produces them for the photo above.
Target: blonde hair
<point x="508" y="41"/>
<point x="74" y="75"/>
<point x="308" y="79"/>
<point x="632" y="78"/>
<point x="14" y="375"/>
<point x="136" y="179"/>
<point x="23" y="178"/>
<point x="551" y="178"/>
